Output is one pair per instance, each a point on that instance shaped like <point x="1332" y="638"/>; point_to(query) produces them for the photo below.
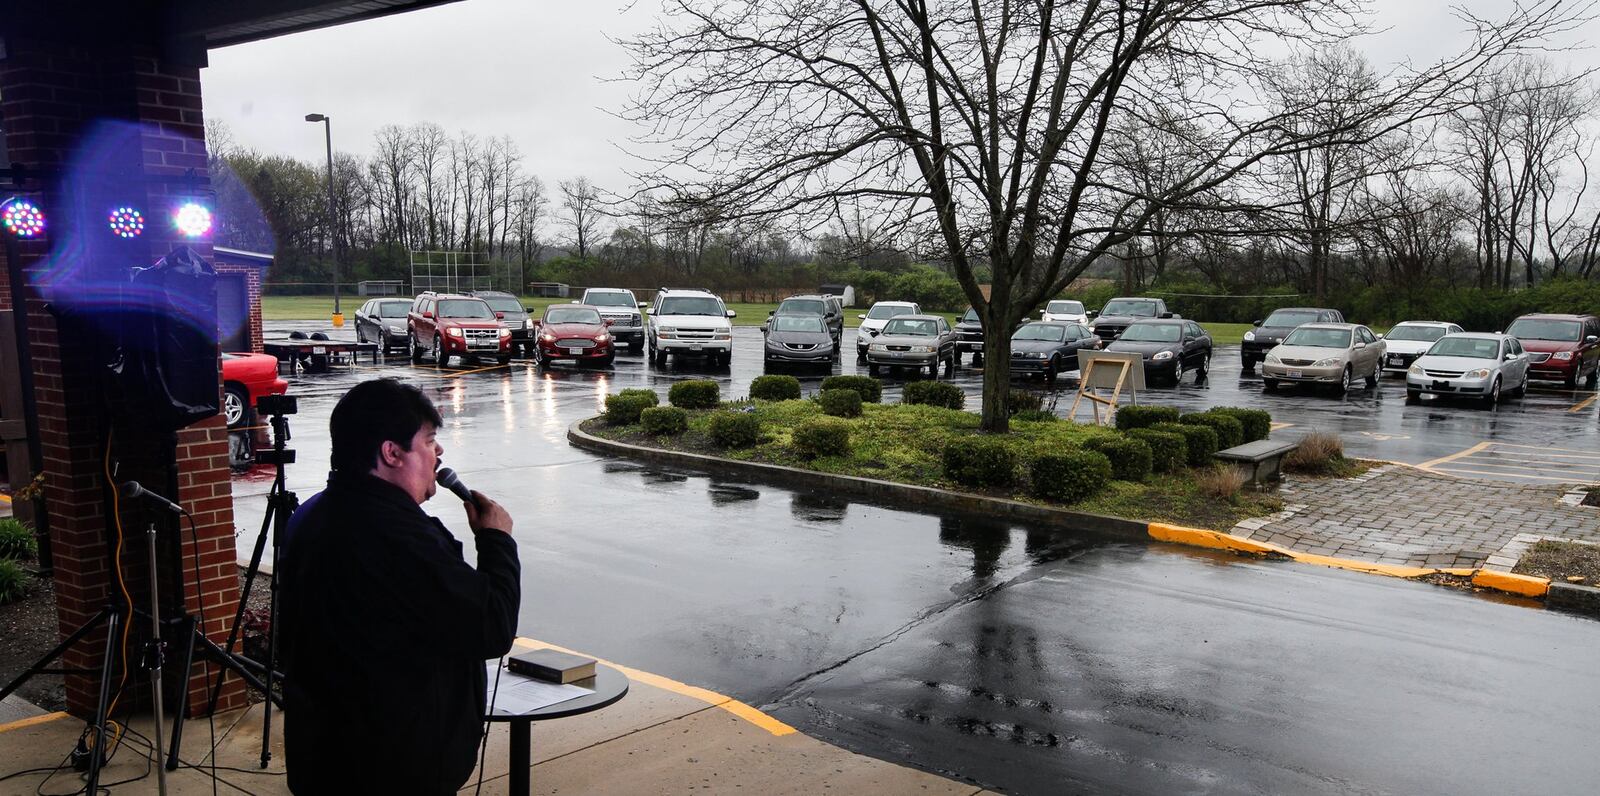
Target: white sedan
<point x="1471" y="365"/>
<point x="1411" y="339"/>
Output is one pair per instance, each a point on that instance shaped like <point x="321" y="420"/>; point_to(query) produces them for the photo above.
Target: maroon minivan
<point x="1562" y="348"/>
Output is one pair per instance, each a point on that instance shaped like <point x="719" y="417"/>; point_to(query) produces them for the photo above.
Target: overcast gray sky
<point x="539" y="72"/>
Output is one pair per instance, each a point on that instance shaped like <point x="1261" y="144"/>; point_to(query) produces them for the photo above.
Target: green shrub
<point x="822" y="436"/>
<point x="1200" y="442"/>
<point x="1130" y="457"/>
<point x="623" y="410"/>
<point x="13" y="581"/>
<point x="775" y="388"/>
<point x="979" y="461"/>
<point x="1018" y="401"/>
<point x="934" y="393"/>
<point x="1230" y="431"/>
<point x="1257" y="422"/>
<point x="17" y="540"/>
<point x="1131" y="417"/>
<point x="694" y="394"/>
<point x="1035" y="415"/>
<point x="643" y="393"/>
<point x="734" y="429"/>
<point x="1168" y="451"/>
<point x="1069" y="476"/>
<point x="870" y="389"/>
<point x="840" y="403"/>
<point x="664" y="420"/>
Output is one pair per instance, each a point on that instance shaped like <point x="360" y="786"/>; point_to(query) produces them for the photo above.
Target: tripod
<point x="281" y="503"/>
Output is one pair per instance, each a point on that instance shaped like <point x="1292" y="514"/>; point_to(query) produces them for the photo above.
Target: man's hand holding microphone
<point x="482" y="513"/>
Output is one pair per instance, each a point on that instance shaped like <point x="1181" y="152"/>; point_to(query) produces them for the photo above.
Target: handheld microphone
<point x="448" y="479"/>
<point x="133" y="489"/>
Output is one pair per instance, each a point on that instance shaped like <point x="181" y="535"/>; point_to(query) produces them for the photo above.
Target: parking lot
<point x="1000" y="654"/>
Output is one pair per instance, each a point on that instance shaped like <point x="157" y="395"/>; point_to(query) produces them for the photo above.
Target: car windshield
<point x="913" y="327"/>
<point x="572" y="315"/>
<point x="503" y="303"/>
<point x="692" y="305"/>
<point x="465" y="308"/>
<point x="802" y="307"/>
<point x="608" y="300"/>
<point x="970" y="317"/>
<point x="1541" y="329"/>
<point x="394" y="309"/>
<point x="1425" y="334"/>
<point x="1064" y="308"/>
<point x="1138" y="309"/>
<point x="1319" y="338"/>
<point x="881" y="312"/>
<point x="1470" y="347"/>
<point x="1290" y="318"/>
<point x="796" y="323"/>
<point x="1153" y="333"/>
<point x="1040" y="331"/>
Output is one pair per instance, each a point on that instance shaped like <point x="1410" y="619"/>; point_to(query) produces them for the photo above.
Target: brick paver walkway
<point x="1398" y="515"/>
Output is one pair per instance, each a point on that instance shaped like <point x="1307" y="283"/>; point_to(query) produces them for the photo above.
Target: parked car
<point x="1270" y="332"/>
<point x="689" y="322"/>
<point x="1049" y="347"/>
<point x="1411" y="339"/>
<point x="245" y="378"/>
<point x="1066" y="311"/>
<point x="442" y="325"/>
<point x="509" y="311"/>
<point x="619" y="306"/>
<point x="573" y="331"/>
<point x="873" y="322"/>
<point x="799" y="339"/>
<point x="920" y="341"/>
<point x="1561" y="347"/>
<point x="1472" y="365"/>
<point x="827" y="308"/>
<point x="1119" y="313"/>
<point x="1325" y="353"/>
<point x="1170" y="348"/>
<point x="383" y="321"/>
<point x="969" y="336"/>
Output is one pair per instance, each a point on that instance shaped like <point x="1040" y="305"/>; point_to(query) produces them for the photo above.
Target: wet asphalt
<point x="1021" y="660"/>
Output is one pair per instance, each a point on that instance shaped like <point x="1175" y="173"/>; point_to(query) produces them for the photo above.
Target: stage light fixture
<point x="21" y="218"/>
<point x="127" y="223"/>
<point x="193" y="220"/>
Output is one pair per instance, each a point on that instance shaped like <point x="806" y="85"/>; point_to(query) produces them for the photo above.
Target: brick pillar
<point x="50" y="95"/>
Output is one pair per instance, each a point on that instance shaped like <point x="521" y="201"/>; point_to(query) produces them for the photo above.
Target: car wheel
<point x="872" y="370"/>
<point x="539" y="362"/>
<point x="605" y="361"/>
<point x="1248" y="367"/>
<point x="416" y="348"/>
<point x="1494" y="393"/>
<point x="1269" y="384"/>
<point x="1522" y="389"/>
<point x="505" y="360"/>
<point x="1372" y="379"/>
<point x="440" y="356"/>
<point x="1412" y="396"/>
<point x="235" y="405"/>
<point x="1205" y="367"/>
<point x="361" y="336"/>
<point x="1344" y="380"/>
<point x="1594" y="377"/>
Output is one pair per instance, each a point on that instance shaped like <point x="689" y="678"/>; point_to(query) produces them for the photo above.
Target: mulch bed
<point x="1562" y="562"/>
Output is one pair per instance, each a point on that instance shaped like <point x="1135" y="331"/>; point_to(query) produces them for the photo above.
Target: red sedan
<point x="245" y="378"/>
<point x="575" y="332"/>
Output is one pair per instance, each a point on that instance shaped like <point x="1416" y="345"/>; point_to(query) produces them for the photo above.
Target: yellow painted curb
<point x="5" y="498"/>
<point x="31" y="720"/>
<point x="1525" y="585"/>
<point x="711" y="698"/>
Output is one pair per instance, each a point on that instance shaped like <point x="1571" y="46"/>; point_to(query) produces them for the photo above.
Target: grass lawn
<point x="905" y="443"/>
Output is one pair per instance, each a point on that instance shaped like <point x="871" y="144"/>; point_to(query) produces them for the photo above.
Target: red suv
<point x="1562" y="347"/>
<point x="442" y="325"/>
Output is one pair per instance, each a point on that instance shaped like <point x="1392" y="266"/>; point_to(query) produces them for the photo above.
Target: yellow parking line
<point x="1493" y="457"/>
<point x="1585" y="453"/>
<point x="1276" y="426"/>
<point x="1452" y="457"/>
<point x="1454" y="471"/>
<point x="1527" y="468"/>
<point x="476" y="370"/>
<point x="1581" y="405"/>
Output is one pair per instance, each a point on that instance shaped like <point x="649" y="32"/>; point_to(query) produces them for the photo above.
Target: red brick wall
<point x="49" y="93"/>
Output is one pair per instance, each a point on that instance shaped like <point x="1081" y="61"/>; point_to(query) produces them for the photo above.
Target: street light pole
<point x="333" y="244"/>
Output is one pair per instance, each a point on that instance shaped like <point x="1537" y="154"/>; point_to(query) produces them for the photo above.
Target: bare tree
<point x="985" y="123"/>
<point x="432" y="147"/>
<point x="585" y="210"/>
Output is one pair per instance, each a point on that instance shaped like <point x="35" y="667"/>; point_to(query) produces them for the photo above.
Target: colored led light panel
<point x="127" y="223"/>
<point x="192" y="220"/>
<point x="22" y="219"/>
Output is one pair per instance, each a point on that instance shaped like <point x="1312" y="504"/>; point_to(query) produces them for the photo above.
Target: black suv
<point x="1270" y="332"/>
<point x="509" y="311"/>
<point x="1118" y="313"/>
<point x="827" y="308"/>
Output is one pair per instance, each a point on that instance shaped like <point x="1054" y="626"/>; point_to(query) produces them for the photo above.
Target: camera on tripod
<point x="278" y="407"/>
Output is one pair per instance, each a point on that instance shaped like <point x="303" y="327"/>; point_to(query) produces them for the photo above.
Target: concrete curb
<point x="920" y="496"/>
<point x="1574" y="598"/>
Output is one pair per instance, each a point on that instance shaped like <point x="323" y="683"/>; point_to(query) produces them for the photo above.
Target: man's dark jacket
<point x="385" y="630"/>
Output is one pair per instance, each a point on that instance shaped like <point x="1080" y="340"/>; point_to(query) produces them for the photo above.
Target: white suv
<point x="872" y="322"/>
<point x="620" y="307"/>
<point x="689" y="322"/>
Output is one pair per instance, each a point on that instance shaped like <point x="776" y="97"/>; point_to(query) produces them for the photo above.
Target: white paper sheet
<point x="519" y="694"/>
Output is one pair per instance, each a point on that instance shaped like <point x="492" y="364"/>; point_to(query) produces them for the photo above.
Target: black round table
<point x="609" y="686"/>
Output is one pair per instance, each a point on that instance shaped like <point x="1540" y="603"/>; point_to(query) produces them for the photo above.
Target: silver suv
<point x="688" y="322"/>
<point x="620" y="307"/>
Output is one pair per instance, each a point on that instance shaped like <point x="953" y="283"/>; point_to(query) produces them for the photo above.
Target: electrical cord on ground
<point x="483" y="744"/>
<point x="122" y="587"/>
<point x="200" y="609"/>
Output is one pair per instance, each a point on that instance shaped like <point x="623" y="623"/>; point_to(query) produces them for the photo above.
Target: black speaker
<point x="164" y="364"/>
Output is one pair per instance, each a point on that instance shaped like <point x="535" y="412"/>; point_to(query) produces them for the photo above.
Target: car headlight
<point x="602" y="338"/>
<point x="1272" y="359"/>
<point x="1326" y="363"/>
<point x="1037" y="355"/>
<point x="1562" y="355"/>
<point x="453" y="331"/>
<point x="922" y="349"/>
<point x="666" y="330"/>
<point x="527" y="323"/>
<point x="1161" y="356"/>
<point x="547" y="337"/>
<point x="1415" y="370"/>
<point x="1249" y="337"/>
<point x="879" y="347"/>
<point x="1480" y="373"/>
<point x="722" y="336"/>
<point x="871" y="332"/>
<point x="504" y="333"/>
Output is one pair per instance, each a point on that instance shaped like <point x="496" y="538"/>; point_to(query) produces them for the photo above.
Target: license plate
<point x="1441" y="385"/>
<point x="575" y="351"/>
<point x="319" y="349"/>
<point x="1394" y="360"/>
<point x="1295" y="374"/>
<point x="694" y="348"/>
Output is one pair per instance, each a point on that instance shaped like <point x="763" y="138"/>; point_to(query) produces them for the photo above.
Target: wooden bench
<point x="1261" y="460"/>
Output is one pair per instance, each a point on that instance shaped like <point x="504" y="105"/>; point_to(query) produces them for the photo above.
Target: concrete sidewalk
<point x="663" y="737"/>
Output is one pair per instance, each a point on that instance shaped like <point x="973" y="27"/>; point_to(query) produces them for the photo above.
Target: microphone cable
<point x="483" y="744"/>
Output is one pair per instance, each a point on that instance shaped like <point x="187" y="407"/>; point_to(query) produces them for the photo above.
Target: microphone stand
<point x="157" y="652"/>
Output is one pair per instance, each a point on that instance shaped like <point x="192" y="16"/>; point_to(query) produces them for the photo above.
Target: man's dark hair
<point x="372" y="413"/>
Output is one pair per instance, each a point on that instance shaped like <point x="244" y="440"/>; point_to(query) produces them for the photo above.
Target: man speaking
<point x="385" y="627"/>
